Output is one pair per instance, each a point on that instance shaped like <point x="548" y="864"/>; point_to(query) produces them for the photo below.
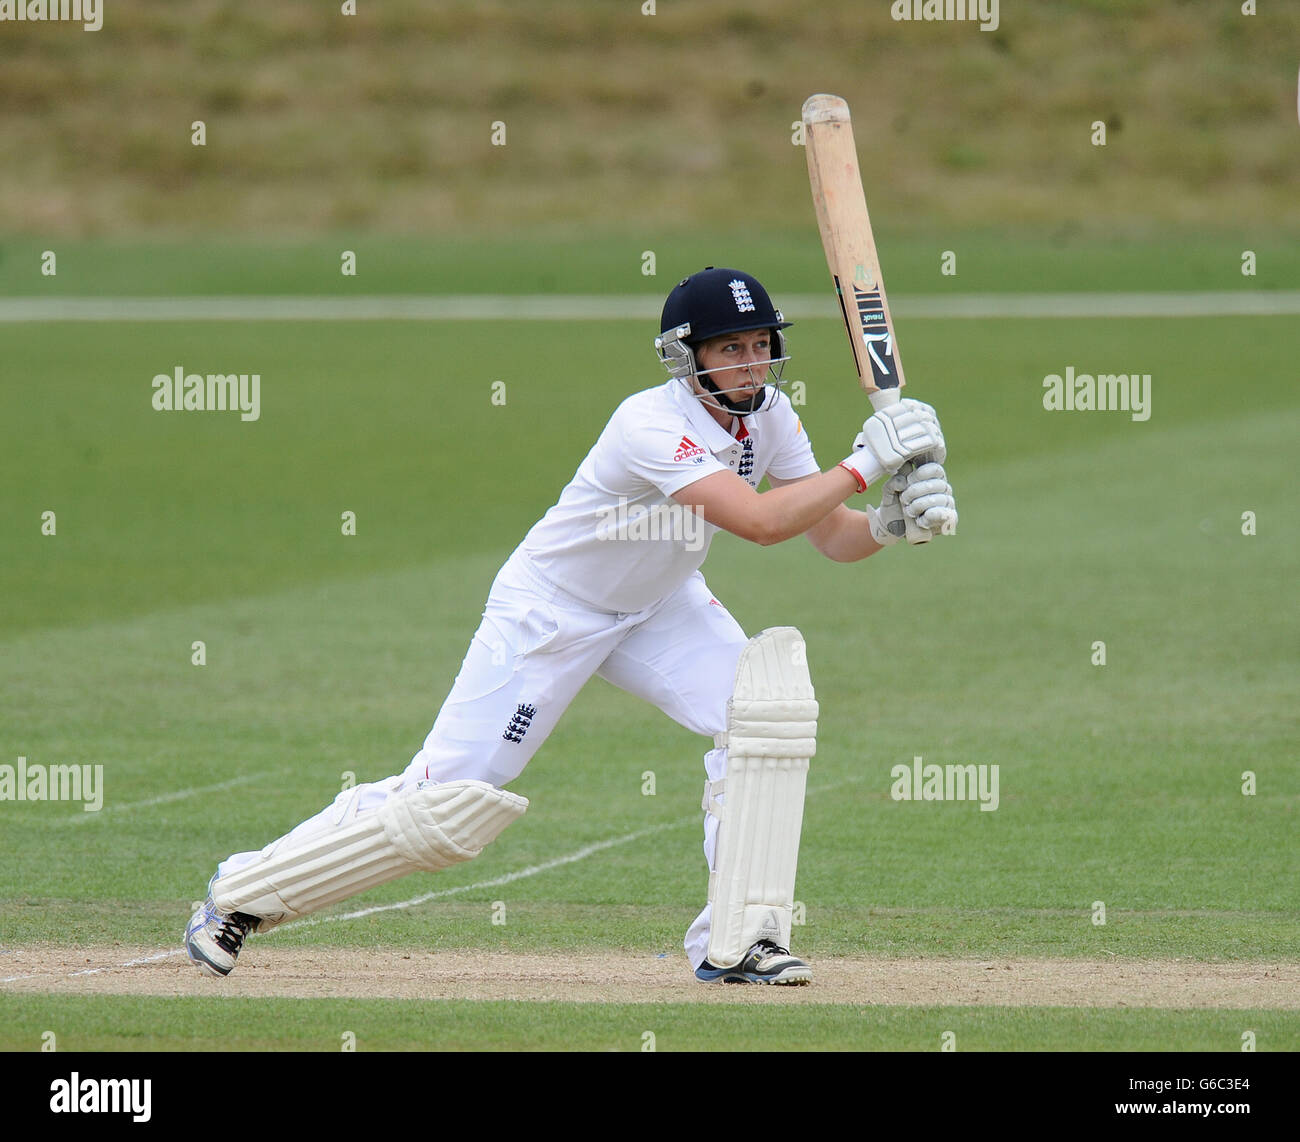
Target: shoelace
<point x="768" y="948"/>
<point x="230" y="936"/>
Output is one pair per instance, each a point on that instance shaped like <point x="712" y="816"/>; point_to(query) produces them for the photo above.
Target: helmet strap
<point x="736" y="408"/>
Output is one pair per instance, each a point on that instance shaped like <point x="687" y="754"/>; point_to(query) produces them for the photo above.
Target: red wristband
<point x="862" y="484"/>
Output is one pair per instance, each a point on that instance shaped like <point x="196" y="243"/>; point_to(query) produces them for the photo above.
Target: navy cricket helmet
<point x="716" y="301"/>
<point x="707" y="304"/>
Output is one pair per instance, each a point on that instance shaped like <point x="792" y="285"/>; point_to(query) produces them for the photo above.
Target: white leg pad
<point x="429" y="828"/>
<point x="771" y="735"/>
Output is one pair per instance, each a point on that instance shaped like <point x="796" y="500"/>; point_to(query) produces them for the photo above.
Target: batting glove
<point x="891" y="437"/>
<point x="927" y="498"/>
<point x="922" y="494"/>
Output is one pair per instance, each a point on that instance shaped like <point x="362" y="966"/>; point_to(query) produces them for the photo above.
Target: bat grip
<point x="915" y="533"/>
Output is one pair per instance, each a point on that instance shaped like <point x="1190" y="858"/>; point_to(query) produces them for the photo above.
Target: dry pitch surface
<point x="375" y="973"/>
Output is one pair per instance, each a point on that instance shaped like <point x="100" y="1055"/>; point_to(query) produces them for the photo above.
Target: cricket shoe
<point x="765" y="962"/>
<point x="213" y="938"/>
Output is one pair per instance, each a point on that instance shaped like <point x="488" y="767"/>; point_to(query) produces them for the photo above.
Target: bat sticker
<point x="876" y="336"/>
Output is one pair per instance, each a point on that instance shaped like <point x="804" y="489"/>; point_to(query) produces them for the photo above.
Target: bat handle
<point x="915" y="533"/>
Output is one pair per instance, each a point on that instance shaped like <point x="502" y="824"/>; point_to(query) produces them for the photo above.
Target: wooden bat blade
<point x="848" y="241"/>
<point x="850" y="247"/>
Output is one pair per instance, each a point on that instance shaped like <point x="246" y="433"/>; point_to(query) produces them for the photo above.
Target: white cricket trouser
<point x="534" y="650"/>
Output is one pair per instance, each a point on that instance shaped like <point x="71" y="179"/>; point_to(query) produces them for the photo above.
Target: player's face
<point x="742" y="358"/>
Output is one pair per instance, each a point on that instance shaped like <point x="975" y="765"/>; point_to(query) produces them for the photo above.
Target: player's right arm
<point x="728" y="502"/>
<point x="888" y="440"/>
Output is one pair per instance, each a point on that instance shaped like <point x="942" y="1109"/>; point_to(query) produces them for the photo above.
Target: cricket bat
<point x="851" y="256"/>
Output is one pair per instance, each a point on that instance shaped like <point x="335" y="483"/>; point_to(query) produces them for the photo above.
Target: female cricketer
<point x="608" y="583"/>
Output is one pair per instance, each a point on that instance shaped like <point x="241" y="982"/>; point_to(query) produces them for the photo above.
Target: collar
<point x="713" y="436"/>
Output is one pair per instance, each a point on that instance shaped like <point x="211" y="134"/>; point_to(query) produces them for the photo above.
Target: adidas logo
<point x="519" y="723"/>
<point x="688" y="448"/>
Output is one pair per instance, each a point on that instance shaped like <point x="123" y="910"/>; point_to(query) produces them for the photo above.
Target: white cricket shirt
<point x="615" y="538"/>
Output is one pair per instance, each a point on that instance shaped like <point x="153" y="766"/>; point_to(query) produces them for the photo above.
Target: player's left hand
<point x="927" y="498"/>
<point x="922" y="494"/>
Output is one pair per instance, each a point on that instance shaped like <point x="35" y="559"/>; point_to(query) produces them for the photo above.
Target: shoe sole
<point x="203" y="963"/>
<point x="790" y="976"/>
<point x="207" y="968"/>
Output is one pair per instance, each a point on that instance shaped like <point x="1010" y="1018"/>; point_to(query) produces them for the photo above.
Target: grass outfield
<point x="328" y="655"/>
<point x="99" y="1023"/>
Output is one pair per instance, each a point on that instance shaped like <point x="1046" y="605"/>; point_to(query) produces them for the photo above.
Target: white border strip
<point x="580" y="307"/>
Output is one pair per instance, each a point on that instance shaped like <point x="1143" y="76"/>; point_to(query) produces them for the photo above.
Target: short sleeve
<point x="670" y="457"/>
<point x="794" y="458"/>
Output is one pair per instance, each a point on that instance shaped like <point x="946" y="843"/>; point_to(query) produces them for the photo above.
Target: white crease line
<point x="96" y="971"/>
<point x="639" y="307"/>
<point x="161" y="799"/>
<point x="129" y="963"/>
<point x="531" y="870"/>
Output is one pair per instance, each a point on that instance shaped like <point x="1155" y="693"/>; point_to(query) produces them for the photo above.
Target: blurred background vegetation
<point x="381" y="122"/>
